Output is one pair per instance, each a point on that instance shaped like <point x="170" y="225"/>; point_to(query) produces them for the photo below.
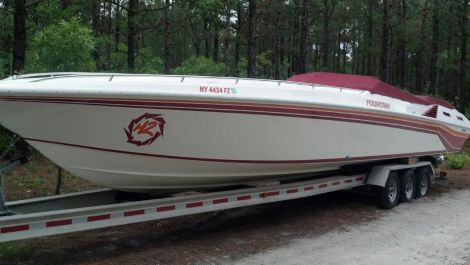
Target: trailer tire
<point x="407" y="186"/>
<point x="423" y="182"/>
<point x="389" y="196"/>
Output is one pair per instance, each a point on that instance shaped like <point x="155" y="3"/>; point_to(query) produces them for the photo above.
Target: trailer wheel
<point x="408" y="186"/>
<point x="389" y="196"/>
<point x="423" y="182"/>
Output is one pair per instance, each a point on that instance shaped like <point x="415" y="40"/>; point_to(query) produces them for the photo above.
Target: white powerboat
<point x="153" y="132"/>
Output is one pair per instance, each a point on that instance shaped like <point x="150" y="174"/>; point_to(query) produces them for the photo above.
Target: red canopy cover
<point x="368" y="83"/>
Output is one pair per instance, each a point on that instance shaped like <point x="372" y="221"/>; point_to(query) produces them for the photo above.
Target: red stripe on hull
<point x="452" y="140"/>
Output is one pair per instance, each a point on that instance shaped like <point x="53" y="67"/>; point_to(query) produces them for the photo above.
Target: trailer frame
<point x="60" y="214"/>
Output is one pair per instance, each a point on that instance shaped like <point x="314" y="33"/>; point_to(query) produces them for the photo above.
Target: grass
<point x="38" y="178"/>
<point x="458" y="161"/>
<point x="461" y="159"/>
<point x="18" y="251"/>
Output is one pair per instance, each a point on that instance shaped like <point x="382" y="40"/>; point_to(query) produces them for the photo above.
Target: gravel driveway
<point x="428" y="231"/>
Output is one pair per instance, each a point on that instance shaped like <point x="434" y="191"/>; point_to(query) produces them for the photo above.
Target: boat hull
<point x="167" y="144"/>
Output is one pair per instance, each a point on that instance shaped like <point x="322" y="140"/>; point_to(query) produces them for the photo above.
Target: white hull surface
<point x="143" y="133"/>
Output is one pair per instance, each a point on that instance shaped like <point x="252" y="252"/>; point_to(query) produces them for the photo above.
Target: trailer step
<point x="97" y="209"/>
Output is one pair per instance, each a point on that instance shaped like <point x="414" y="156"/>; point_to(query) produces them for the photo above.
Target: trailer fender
<point x="379" y="174"/>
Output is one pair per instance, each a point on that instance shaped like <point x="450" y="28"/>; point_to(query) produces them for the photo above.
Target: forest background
<point x="418" y="45"/>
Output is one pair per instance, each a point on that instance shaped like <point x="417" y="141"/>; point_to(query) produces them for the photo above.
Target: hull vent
<point x="431" y="112"/>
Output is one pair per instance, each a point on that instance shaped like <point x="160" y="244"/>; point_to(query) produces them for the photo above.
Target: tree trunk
<point x="251" y="67"/>
<point x="196" y="40"/>
<point x="277" y="55"/>
<point x="401" y="50"/>
<point x="95" y="16"/>
<point x="282" y="51"/>
<point x="110" y="32"/>
<point x="326" y="34"/>
<point x="197" y="48"/>
<point x="434" y="47"/>
<point x="294" y="47"/>
<point x="215" y="52"/>
<point x="463" y="54"/>
<point x="316" y="56"/>
<point x="6" y="45"/>
<point x="166" y="56"/>
<point x="131" y="34"/>
<point x="238" y="40"/>
<point x="337" y="57"/>
<point x="206" y="38"/>
<point x="227" y="36"/>
<point x="117" y="29"/>
<point x="370" y="6"/>
<point x="58" y="185"/>
<point x="420" y="54"/>
<point x="384" y="47"/>
<point x="302" y="49"/>
<point x="447" y="87"/>
<point x="95" y="24"/>
<point x="19" y="36"/>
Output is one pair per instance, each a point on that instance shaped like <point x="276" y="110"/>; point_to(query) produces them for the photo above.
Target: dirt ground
<point x="336" y="228"/>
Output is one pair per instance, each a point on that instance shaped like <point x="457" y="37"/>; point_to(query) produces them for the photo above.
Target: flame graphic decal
<point x="145" y="129"/>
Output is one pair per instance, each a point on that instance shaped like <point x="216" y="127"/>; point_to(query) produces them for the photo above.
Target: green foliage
<point x="264" y="67"/>
<point x="242" y="67"/>
<point x="200" y="66"/>
<point x="208" y="8"/>
<point x="67" y="46"/>
<point x="101" y="44"/>
<point x="119" y="59"/>
<point x="2" y="70"/>
<point x="147" y="63"/>
<point x="458" y="161"/>
<point x="49" y="13"/>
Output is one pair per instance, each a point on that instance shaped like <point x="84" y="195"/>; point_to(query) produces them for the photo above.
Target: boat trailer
<point x="79" y="211"/>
